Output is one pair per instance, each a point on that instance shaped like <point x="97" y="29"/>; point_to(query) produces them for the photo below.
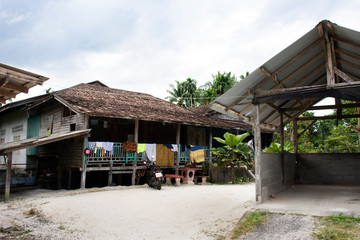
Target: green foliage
<point x="187" y="94"/>
<point x="323" y="136"/>
<point x="341" y="141"/>
<point x="338" y="227"/>
<point x="276" y="147"/>
<point x="235" y="152"/>
<point x="184" y="94"/>
<point x="253" y="220"/>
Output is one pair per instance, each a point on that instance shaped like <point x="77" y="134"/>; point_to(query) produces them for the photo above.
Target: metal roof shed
<point x="325" y="62"/>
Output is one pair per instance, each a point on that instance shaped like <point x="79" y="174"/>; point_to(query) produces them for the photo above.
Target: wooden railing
<point x="118" y="155"/>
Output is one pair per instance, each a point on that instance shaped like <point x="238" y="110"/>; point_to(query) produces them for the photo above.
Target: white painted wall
<point x="8" y="123"/>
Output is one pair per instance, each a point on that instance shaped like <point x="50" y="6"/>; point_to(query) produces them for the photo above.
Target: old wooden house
<point x="118" y="129"/>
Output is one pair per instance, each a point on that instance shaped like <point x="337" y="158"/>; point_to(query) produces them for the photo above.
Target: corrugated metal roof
<point x="14" y="81"/>
<point x="38" y="141"/>
<point x="297" y="77"/>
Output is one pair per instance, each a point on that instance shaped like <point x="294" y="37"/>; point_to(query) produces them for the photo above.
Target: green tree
<point x="177" y="94"/>
<point x="223" y="82"/>
<point x="184" y="94"/>
<point x="191" y="92"/>
<point x="235" y="152"/>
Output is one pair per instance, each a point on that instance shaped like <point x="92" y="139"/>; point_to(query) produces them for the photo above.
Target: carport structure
<point x="325" y="62"/>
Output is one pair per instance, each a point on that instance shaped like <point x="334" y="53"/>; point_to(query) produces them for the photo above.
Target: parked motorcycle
<point x="154" y="175"/>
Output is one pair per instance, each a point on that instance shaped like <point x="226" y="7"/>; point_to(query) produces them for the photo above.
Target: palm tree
<point x="184" y="94"/>
<point x="223" y="82"/>
<point x="191" y="92"/>
<point x="177" y="94"/>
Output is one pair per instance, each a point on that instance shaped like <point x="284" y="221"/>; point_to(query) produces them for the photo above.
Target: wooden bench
<point x="176" y="177"/>
<point x="203" y="179"/>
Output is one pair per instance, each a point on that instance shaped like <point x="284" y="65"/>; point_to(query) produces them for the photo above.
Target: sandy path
<point x="186" y="212"/>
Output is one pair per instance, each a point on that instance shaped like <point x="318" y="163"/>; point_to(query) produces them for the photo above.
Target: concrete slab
<point x="316" y="200"/>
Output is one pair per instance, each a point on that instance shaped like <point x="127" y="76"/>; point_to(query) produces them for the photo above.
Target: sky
<point x="146" y="45"/>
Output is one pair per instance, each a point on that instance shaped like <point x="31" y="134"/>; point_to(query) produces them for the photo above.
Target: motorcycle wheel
<point x="158" y="185"/>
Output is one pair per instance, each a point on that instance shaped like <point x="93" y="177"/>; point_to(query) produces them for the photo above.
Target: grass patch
<point x="337" y="227"/>
<point x="61" y="227"/>
<point x="252" y="220"/>
<point x="31" y="212"/>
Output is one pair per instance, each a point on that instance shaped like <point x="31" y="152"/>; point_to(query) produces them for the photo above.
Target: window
<point x="72" y="127"/>
<point x="16" y="138"/>
<point x="67" y="112"/>
<point x="94" y="122"/>
<point x="3" y="132"/>
<point x="2" y="140"/>
<point x="17" y="128"/>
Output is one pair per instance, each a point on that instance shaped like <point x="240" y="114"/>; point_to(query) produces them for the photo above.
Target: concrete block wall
<point x="224" y="175"/>
<point x="329" y="168"/>
<point x="271" y="173"/>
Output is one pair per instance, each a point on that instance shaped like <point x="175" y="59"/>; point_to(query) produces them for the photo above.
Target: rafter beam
<point x="343" y="75"/>
<point x="327" y="117"/>
<point x="325" y="107"/>
<point x="22" y="76"/>
<point x="271" y="76"/>
<point x="5" y="83"/>
<point x="7" y="94"/>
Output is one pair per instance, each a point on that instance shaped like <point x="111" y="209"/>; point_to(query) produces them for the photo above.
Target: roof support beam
<point x="329" y="62"/>
<point x="325" y="107"/>
<point x="18" y="75"/>
<point x="5" y="83"/>
<point x="343" y="75"/>
<point x="7" y="94"/>
<point x="327" y="117"/>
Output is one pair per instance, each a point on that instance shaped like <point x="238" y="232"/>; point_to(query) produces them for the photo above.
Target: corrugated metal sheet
<point x="301" y="65"/>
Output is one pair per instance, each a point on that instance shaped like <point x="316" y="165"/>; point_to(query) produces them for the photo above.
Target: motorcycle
<point x="154" y="175"/>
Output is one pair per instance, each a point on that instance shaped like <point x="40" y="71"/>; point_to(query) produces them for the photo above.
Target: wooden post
<point x="110" y="173"/>
<point x="178" y="133"/>
<point x="282" y="140"/>
<point x="295" y="136"/>
<point x="8" y="176"/>
<point x="83" y="169"/>
<point x="136" y="138"/>
<point x="257" y="136"/>
<point x="69" y="178"/>
<point x="210" y="147"/>
<point x="329" y="62"/>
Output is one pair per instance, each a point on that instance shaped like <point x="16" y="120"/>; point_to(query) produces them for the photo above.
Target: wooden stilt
<point x="178" y="133"/>
<point x="69" y="178"/>
<point x="8" y="176"/>
<point x="210" y="147"/>
<point x="136" y="136"/>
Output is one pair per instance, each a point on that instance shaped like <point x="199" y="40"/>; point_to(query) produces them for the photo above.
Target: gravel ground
<point x="203" y="212"/>
<point x="283" y="227"/>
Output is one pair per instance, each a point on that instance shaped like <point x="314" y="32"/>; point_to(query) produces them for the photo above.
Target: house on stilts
<point x="118" y="128"/>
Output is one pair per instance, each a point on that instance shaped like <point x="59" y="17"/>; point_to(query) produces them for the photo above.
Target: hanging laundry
<point x="164" y="156"/>
<point x="197" y="154"/>
<point x="141" y="147"/>
<point x="174" y="147"/>
<point x="98" y="146"/>
<point x="168" y="146"/>
<point x="129" y="146"/>
<point x="91" y="145"/>
<point x="150" y="152"/>
<point x="108" y="146"/>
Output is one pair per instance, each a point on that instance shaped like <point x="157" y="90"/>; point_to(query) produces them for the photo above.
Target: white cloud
<point x="146" y="45"/>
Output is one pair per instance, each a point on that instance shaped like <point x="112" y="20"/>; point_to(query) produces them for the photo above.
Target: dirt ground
<point x="185" y="212"/>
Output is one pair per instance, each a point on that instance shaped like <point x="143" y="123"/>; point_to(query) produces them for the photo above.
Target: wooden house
<point x="117" y="120"/>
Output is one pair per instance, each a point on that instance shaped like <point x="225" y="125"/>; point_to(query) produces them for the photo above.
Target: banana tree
<point x="235" y="152"/>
